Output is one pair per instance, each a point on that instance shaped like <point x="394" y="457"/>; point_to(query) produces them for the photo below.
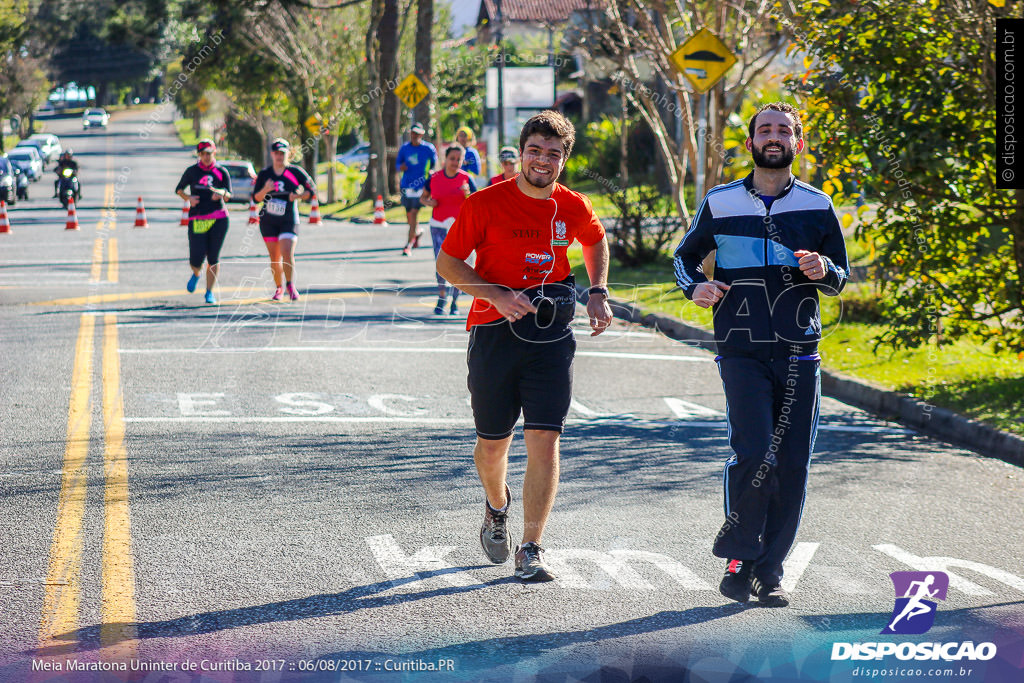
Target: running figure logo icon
<point x="916" y="592"/>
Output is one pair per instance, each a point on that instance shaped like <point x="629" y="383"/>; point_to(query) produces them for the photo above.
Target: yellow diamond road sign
<point x="314" y="124"/>
<point x="411" y="90"/>
<point x="703" y="59"/>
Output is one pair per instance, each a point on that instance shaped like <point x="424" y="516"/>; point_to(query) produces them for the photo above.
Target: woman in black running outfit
<point x="209" y="187"/>
<point x="280" y="186"/>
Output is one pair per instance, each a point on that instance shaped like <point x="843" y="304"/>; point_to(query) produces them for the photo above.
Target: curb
<point x="938" y="422"/>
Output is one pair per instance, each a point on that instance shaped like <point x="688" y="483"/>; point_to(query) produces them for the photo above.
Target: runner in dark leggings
<point x="209" y="187"/>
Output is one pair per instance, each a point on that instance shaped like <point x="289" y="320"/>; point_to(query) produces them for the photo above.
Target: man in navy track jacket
<point x="777" y="243"/>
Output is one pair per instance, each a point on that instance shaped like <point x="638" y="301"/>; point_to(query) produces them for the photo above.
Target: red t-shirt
<point x="449" y="194"/>
<point x="500" y="178"/>
<point x="520" y="241"/>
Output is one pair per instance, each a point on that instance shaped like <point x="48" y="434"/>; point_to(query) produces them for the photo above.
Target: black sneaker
<point x="439" y="308"/>
<point x="736" y="582"/>
<point x="494" y="538"/>
<point x="530" y="563"/>
<point x="769" y="594"/>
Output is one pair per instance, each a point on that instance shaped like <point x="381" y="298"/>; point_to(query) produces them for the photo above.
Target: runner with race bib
<point x="279" y="187"/>
<point x="209" y="187"/>
<point x="446" y="191"/>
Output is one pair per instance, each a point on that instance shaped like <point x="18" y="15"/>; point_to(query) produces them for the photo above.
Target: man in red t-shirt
<point x="521" y="346"/>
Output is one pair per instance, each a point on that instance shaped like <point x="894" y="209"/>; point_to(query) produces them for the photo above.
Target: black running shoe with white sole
<point x="494" y="538"/>
<point x="530" y="563"/>
<point x="769" y="594"/>
<point x="736" y="582"/>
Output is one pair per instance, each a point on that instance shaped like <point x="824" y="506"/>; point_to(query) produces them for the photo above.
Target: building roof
<point x="540" y="11"/>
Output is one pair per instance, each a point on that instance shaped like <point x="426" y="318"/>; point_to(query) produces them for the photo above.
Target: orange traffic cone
<point x="314" y="213"/>
<point x="184" y="215"/>
<point x="5" y="225"/>
<point x="378" y="211"/>
<point x="253" y="218"/>
<point x="72" y="223"/>
<point x="140" y="215"/>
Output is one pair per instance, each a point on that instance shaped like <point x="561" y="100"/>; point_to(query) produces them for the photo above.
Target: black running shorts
<point x="509" y="375"/>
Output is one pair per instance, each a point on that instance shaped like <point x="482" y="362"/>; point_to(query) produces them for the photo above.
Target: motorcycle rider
<point x="66" y="160"/>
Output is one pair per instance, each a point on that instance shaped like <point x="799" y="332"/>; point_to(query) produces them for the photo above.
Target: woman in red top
<point x="446" y="190"/>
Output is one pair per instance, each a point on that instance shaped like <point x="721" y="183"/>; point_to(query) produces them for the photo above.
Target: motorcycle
<point x="21" y="182"/>
<point x="67" y="187"/>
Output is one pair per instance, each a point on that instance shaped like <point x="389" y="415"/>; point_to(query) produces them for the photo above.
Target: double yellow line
<point x="108" y="223"/>
<point x="59" y="623"/>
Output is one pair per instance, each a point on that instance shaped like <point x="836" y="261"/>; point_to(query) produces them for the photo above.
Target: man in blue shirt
<point x="415" y="160"/>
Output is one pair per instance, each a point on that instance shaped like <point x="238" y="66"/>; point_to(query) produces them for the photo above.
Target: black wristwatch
<point x="598" y="290"/>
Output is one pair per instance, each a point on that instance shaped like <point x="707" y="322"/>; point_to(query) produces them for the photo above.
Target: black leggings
<point x="206" y="245"/>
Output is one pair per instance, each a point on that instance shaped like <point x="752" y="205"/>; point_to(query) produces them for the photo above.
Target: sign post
<point x="703" y="60"/>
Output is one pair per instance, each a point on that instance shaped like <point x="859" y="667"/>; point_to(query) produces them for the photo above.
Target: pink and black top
<point x="277" y="209"/>
<point x="200" y="178"/>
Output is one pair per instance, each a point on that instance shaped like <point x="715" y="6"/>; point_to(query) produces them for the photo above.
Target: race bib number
<point x="412" y="192"/>
<point x="201" y="226"/>
<point x="276" y="207"/>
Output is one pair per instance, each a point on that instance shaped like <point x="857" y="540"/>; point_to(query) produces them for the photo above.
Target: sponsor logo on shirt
<point x="560" y="230"/>
<point x="538" y="258"/>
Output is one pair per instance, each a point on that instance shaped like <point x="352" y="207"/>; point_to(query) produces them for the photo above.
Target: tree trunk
<point x="197" y="123"/>
<point x="391" y="107"/>
<point x="376" y="173"/>
<point x="424" y="61"/>
<point x="332" y="150"/>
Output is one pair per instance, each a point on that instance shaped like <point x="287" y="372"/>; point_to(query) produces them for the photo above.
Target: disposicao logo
<point x="916" y="593"/>
<point x="913" y="614"/>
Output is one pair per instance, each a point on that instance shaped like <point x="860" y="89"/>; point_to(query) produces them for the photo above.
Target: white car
<point x="358" y="156"/>
<point x="95" y="118"/>
<point x="242" y="177"/>
<point x="50" y="147"/>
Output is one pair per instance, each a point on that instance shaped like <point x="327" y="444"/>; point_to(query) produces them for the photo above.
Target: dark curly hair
<point x="549" y="124"/>
<point x="785" y="108"/>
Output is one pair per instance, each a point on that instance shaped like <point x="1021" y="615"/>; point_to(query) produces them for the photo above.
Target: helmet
<point x="68" y="153"/>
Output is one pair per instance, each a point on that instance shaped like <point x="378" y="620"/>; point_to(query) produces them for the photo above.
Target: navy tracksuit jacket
<point x="767" y="328"/>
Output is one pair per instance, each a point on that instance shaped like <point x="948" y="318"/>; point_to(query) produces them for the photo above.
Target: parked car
<point x="243" y="175"/>
<point x="8" y="184"/>
<point x="28" y="160"/>
<point x="95" y="118"/>
<point x="358" y="155"/>
<point x="45" y="111"/>
<point x="51" y="148"/>
<point x="37" y="145"/>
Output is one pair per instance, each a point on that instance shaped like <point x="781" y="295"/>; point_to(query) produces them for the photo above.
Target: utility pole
<point x="501" y="77"/>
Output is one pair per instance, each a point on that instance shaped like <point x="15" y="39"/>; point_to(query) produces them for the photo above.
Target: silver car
<point x="27" y="158"/>
<point x="51" y="148"/>
<point x="243" y="175"/>
<point x="95" y="118"/>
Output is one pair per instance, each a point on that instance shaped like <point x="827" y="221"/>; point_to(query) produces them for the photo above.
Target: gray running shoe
<point x="768" y="595"/>
<point x="494" y="538"/>
<point x="530" y="563"/>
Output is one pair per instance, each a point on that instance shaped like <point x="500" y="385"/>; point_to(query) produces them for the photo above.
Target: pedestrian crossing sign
<point x="411" y="90"/>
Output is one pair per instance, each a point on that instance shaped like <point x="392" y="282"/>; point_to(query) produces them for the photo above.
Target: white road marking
<point x="378" y="402"/>
<point x="195" y="405"/>
<point x="793" y="567"/>
<point x="685" y="410"/>
<point x="397" y="565"/>
<point x="303" y="403"/>
<point x="380" y="349"/>
<point x="944" y="563"/>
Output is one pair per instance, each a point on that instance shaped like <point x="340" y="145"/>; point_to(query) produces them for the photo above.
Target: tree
<point x="903" y="98"/>
<point x="424" y="68"/>
<point x="637" y="35"/>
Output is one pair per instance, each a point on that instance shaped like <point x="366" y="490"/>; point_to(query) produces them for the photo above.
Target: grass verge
<point x="965" y="377"/>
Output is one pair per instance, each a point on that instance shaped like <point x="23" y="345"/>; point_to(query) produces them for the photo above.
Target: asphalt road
<point x="290" y="486"/>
